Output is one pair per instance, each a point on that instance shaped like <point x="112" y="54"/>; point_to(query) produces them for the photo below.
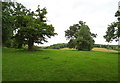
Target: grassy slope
<point x="59" y="65"/>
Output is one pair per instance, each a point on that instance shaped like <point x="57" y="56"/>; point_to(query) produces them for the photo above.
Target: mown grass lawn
<point x="59" y="65"/>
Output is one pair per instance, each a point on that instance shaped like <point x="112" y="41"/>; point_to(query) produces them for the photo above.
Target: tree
<point x="24" y="26"/>
<point x="34" y="28"/>
<point x="11" y="21"/>
<point x="19" y="12"/>
<point x="80" y="36"/>
<point x="113" y="30"/>
<point x="25" y="22"/>
<point x="7" y="23"/>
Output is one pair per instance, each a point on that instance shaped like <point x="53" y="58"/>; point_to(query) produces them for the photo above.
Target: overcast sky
<point x="63" y="13"/>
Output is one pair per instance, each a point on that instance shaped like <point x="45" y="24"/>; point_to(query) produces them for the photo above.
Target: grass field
<point x="59" y="65"/>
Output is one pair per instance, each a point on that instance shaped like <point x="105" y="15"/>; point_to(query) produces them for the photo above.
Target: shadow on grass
<point x="117" y="53"/>
<point x="79" y="50"/>
<point x="26" y="50"/>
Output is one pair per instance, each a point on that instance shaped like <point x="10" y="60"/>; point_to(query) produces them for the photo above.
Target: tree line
<point x="22" y="26"/>
<point x="65" y="45"/>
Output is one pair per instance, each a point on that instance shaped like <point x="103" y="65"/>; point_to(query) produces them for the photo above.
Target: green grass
<point x="59" y="65"/>
<point x="0" y="63"/>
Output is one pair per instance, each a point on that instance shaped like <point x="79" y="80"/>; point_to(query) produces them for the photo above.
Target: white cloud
<point x="63" y="13"/>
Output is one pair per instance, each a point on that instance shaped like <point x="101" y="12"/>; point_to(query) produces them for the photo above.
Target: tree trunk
<point x="19" y="45"/>
<point x="30" y="44"/>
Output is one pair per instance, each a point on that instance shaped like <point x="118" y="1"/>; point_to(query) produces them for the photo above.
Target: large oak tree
<point x="28" y="27"/>
<point x="34" y="28"/>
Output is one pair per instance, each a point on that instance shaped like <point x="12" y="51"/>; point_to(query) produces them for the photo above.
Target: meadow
<point x="58" y="65"/>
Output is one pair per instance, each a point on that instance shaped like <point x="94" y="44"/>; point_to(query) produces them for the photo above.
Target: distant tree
<point x="80" y="36"/>
<point x="58" y="46"/>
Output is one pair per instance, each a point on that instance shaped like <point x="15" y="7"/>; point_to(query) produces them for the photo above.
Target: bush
<point x="58" y="46"/>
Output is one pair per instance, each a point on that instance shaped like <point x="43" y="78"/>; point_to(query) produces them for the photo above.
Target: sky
<point x="97" y="14"/>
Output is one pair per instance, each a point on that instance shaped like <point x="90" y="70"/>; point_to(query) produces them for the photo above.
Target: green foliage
<point x="80" y="36"/>
<point x="34" y="28"/>
<point x="58" y="46"/>
<point x="112" y="32"/>
<point x="25" y="26"/>
<point x="100" y="46"/>
<point x="112" y="47"/>
<point x="71" y="43"/>
<point x="59" y="65"/>
<point x="7" y="23"/>
<point x="10" y="13"/>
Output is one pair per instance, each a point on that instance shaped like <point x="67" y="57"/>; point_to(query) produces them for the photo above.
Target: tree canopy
<point x="7" y="23"/>
<point x="80" y="36"/>
<point x="25" y="26"/>
<point x="113" y="30"/>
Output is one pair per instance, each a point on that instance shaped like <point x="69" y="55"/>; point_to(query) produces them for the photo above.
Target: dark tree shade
<point x="7" y="23"/>
<point x="10" y="23"/>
